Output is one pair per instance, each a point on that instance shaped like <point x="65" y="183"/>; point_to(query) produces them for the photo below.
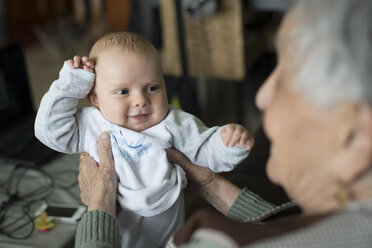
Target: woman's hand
<point x="205" y="183"/>
<point x="98" y="182"/>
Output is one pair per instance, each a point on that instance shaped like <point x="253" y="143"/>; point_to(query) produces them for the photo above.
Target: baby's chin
<point x="139" y="124"/>
<point x="152" y="122"/>
<point x="142" y="126"/>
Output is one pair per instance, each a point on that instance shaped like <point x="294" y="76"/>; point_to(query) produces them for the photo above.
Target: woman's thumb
<point x="175" y="156"/>
<point x="104" y="149"/>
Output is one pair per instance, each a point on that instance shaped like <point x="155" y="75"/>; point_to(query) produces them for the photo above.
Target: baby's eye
<point x="153" y="88"/>
<point x="122" y="92"/>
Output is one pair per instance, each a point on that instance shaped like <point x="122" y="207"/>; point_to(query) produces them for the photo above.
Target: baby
<point x="124" y="83"/>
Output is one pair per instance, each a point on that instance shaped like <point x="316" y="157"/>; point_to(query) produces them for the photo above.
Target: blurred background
<point x="215" y="54"/>
<point x="222" y="49"/>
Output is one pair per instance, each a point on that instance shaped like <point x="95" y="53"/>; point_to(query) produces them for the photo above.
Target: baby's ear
<point x="93" y="99"/>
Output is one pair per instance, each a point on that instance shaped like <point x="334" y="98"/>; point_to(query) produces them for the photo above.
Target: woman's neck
<point x="361" y="188"/>
<point x="335" y="197"/>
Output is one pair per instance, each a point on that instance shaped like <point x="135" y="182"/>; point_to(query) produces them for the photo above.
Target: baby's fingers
<point x="84" y="60"/>
<point x="77" y="61"/>
<point x="70" y="63"/>
<point x="235" y="137"/>
<point x="88" y="65"/>
<point x="88" y="68"/>
<point x="226" y="134"/>
<point x="246" y="141"/>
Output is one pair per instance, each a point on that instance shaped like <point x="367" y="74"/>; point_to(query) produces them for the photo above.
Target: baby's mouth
<point x="140" y="117"/>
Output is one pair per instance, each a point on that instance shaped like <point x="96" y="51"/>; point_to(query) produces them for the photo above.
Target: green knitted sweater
<point x="98" y="229"/>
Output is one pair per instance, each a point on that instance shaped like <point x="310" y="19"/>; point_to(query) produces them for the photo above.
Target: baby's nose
<point x="140" y="100"/>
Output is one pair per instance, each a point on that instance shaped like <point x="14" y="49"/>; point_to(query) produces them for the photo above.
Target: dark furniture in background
<point x="23" y="15"/>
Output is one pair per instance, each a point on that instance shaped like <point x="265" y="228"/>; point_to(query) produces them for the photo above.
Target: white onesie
<point x="149" y="188"/>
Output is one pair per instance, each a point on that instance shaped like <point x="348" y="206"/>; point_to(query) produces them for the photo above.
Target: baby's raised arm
<point x="58" y="121"/>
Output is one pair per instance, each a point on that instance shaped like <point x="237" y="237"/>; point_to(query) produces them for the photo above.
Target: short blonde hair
<point x="123" y="40"/>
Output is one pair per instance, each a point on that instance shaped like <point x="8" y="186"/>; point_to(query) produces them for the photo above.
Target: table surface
<point x="63" y="169"/>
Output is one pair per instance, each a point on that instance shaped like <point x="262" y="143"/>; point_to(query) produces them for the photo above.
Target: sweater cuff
<point x="98" y="227"/>
<point x="250" y="207"/>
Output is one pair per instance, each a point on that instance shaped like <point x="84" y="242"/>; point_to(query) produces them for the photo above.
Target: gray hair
<point x="333" y="50"/>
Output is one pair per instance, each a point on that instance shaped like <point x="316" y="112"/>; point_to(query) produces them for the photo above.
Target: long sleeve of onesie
<point x="58" y="119"/>
<point x="201" y="144"/>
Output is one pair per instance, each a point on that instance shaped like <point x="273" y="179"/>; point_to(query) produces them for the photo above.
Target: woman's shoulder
<point x="349" y="227"/>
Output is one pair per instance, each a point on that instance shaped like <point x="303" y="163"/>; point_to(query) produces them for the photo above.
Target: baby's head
<point x="129" y="89"/>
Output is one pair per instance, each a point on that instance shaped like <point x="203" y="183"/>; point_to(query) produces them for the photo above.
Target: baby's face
<point x="129" y="89"/>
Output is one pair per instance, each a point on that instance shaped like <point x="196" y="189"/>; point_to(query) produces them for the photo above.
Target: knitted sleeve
<point x="252" y="208"/>
<point x="98" y="229"/>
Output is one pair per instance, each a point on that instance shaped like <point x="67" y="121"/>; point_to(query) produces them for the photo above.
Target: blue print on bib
<point x="133" y="150"/>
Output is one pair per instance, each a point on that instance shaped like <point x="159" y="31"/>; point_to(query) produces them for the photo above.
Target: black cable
<point x="13" y="191"/>
<point x="12" y="188"/>
<point x="8" y="180"/>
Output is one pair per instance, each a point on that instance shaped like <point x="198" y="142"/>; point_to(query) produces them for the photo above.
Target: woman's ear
<point x="355" y="154"/>
<point x="93" y="99"/>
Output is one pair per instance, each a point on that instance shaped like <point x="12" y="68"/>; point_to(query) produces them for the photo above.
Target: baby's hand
<point x="236" y="135"/>
<point x="82" y="63"/>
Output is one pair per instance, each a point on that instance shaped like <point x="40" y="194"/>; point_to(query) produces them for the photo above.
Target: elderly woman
<point x="317" y="108"/>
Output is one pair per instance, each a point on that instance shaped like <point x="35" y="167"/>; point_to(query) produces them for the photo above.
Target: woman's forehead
<point x="286" y="37"/>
